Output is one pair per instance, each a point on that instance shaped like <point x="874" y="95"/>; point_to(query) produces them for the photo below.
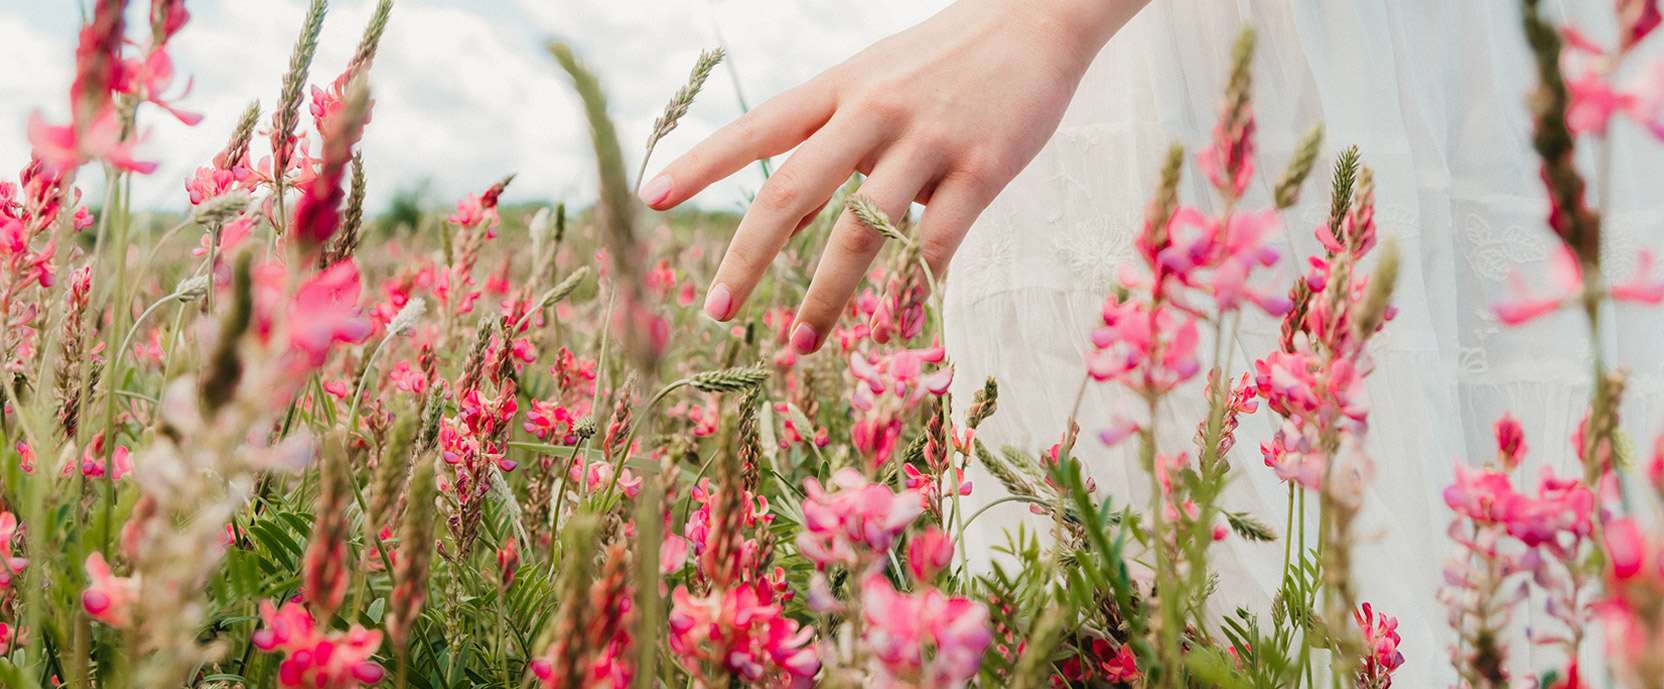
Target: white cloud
<point x="465" y="93"/>
<point x="35" y="70"/>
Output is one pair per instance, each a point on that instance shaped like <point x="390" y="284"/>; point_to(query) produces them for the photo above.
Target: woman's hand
<point x="945" y="113"/>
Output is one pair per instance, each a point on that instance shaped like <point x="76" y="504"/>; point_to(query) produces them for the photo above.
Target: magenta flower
<point x="1149" y="353"/>
<point x="1113" y="663"/>
<point x="1636" y="19"/>
<point x="152" y="77"/>
<point x="317" y="214"/>
<point x="479" y="210"/>
<point x="108" y="597"/>
<point x="1510" y="442"/>
<point x="930" y="552"/>
<point x="547" y="420"/>
<point x="1381" y="643"/>
<point x="1218" y="258"/>
<point x="1482" y="495"/>
<point x="855" y="524"/>
<point x="900" y="628"/>
<point x="62" y="148"/>
<point x="9" y="566"/>
<point x="745" y="632"/>
<point x="317" y="660"/>
<point x="408" y="379"/>
<point x="325" y="311"/>
<point x="1641" y="288"/>
<point x="1634" y="585"/>
<point x="1562" y="508"/>
<point x="1628" y="548"/>
<point x="901" y="373"/>
<point x="1567" y="277"/>
<point x="597" y="475"/>
<point x="1292" y="456"/>
<point x="1595" y="99"/>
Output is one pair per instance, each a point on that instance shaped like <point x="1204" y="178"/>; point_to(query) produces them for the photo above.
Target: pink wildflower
<point x="408" y="379"/>
<point x="930" y="552"/>
<point x="901" y="627"/>
<point x="855" y="524"/>
<point x="1594" y="98"/>
<point x="62" y="148"/>
<point x="1567" y="277"/>
<point x="317" y="660"/>
<point x="9" y="565"/>
<point x="1150" y="353"/>
<point x="325" y="311"/>
<point x="1510" y="442"/>
<point x="745" y="631"/>
<point x="108" y="597"/>
<point x="900" y="372"/>
<point x="1381" y="655"/>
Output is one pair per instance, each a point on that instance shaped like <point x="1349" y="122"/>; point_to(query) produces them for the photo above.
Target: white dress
<point x="1433" y="94"/>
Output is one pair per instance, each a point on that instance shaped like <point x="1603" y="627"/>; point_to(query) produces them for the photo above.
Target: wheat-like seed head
<point x="1305" y="154"/>
<point x="1166" y="200"/>
<point x="1381" y="286"/>
<point x="868" y="213"/>
<point x="405" y="321"/>
<point x="236" y="150"/>
<point x="1340" y="194"/>
<point x="346" y="239"/>
<point x="678" y="105"/>
<point x="294" y="83"/>
<point x="223" y="208"/>
<point x="372" y="36"/>
<point x="730" y="380"/>
<point x="564" y="289"/>
<point x="192" y="288"/>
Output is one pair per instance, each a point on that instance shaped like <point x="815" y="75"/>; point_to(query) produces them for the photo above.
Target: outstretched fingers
<point x="770" y="129"/>
<point x="851" y="249"/>
<point x="801" y="185"/>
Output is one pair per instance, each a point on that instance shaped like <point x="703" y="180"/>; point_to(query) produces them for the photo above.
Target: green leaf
<point x="276" y="541"/>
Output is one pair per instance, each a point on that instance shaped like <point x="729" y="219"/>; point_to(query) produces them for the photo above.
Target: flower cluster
<point x="855" y="524"/>
<point x="1381" y="641"/>
<point x="105" y="69"/>
<point x="924" y="639"/>
<point x="743" y="629"/>
<point x="887" y="387"/>
<point x="313" y="658"/>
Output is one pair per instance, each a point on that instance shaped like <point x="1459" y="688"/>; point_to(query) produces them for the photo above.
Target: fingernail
<point x="656" y="191"/>
<point x="804" y="338"/>
<point x="717" y="302"/>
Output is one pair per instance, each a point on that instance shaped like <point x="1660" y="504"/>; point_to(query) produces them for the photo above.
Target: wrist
<point x="1081" y="27"/>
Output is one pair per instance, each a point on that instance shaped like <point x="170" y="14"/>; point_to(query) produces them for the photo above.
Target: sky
<point x="465" y="92"/>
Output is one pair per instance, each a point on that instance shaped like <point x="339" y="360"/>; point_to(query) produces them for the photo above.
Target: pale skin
<point x="944" y="114"/>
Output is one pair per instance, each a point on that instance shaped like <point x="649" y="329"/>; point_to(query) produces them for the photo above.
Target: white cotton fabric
<point x="1433" y="94"/>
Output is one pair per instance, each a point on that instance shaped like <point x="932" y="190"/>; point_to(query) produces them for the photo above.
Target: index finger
<point x="770" y="129"/>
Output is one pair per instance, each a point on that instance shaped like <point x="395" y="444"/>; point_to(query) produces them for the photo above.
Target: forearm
<point x="1078" y="29"/>
<point x="1088" y="24"/>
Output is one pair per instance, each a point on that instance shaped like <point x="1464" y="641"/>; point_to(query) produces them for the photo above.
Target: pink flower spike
<point x="1510" y="442"/>
<point x="325" y="311"/>
<point x="107" y="597"/>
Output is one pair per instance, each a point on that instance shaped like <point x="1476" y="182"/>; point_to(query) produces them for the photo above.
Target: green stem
<point x="629" y="441"/>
